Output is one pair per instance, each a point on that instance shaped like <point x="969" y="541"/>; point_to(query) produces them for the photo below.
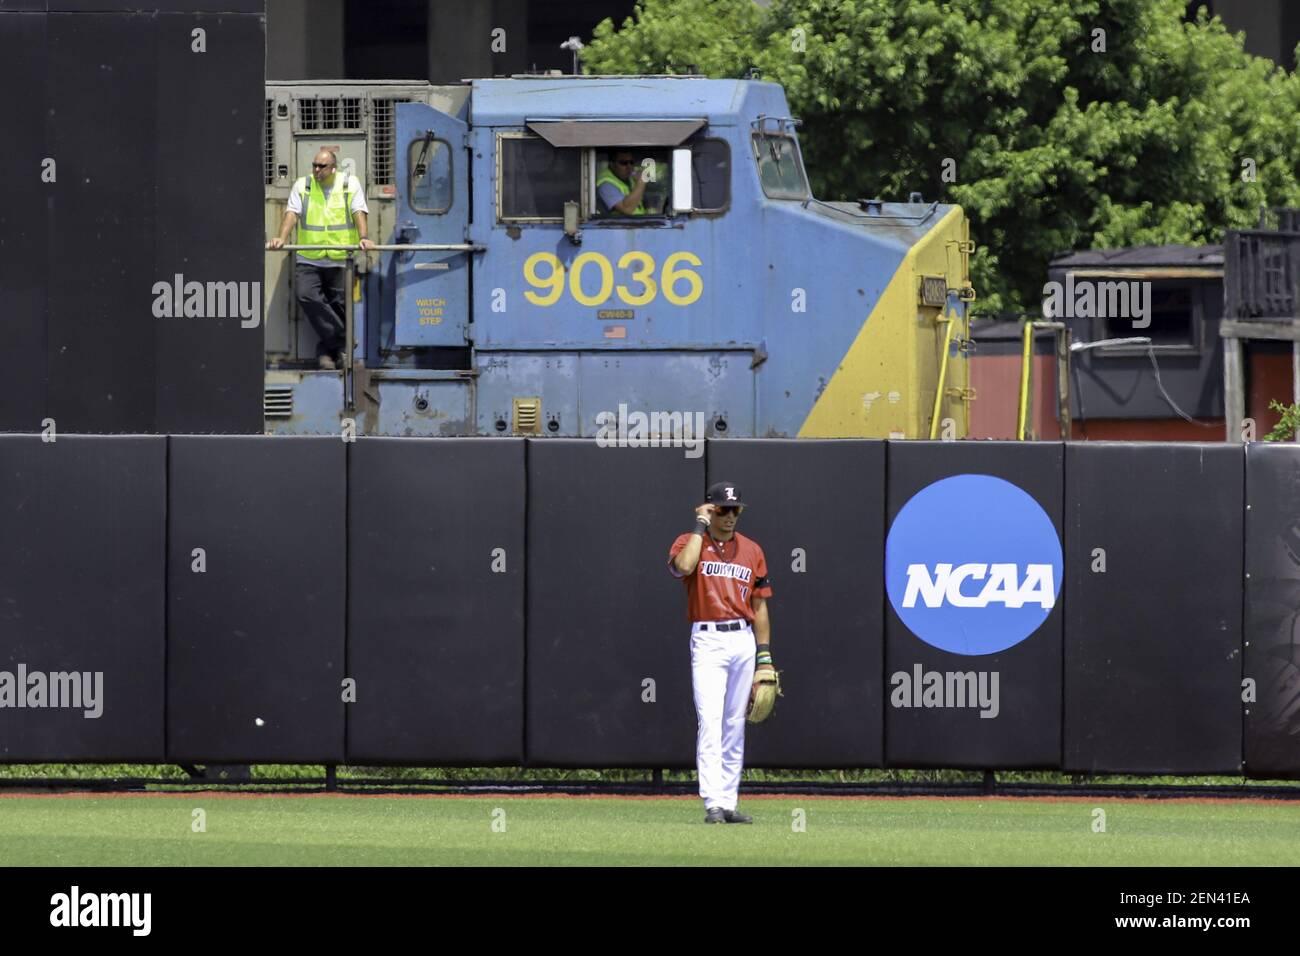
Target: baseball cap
<point x="724" y="493"/>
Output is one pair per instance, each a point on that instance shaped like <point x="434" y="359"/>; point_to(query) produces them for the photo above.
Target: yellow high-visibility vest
<point x="608" y="177"/>
<point x="326" y="222"/>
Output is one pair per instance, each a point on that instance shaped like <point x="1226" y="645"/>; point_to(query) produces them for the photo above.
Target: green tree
<point x="1101" y="123"/>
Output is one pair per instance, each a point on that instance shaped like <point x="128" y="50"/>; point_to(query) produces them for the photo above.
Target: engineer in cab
<point x="620" y="188"/>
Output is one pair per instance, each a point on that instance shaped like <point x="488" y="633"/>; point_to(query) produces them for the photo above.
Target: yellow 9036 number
<point x="592" y="270"/>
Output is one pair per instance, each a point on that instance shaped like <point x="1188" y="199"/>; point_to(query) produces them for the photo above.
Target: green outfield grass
<point x="357" y="831"/>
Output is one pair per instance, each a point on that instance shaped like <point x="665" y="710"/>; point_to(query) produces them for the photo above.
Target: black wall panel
<point x="101" y="129"/>
<point x="208" y="163"/>
<point x="1272" y="612"/>
<point x="158" y="174"/>
<point x="81" y="590"/>
<point x="604" y="614"/>
<point x="436" y="601"/>
<point x="258" y="635"/>
<point x="827" y="618"/>
<point x="1153" y="642"/>
<point x="946" y="727"/>
<point x="24" y="269"/>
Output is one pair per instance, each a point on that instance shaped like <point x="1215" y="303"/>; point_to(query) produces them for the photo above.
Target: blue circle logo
<point x="972" y="565"/>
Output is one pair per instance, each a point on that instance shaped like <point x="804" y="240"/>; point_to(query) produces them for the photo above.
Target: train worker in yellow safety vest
<point x="330" y="209"/>
<point x="620" y="187"/>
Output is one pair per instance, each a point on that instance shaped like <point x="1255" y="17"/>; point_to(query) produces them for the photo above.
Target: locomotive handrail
<point x="921" y="217"/>
<point x="349" y="327"/>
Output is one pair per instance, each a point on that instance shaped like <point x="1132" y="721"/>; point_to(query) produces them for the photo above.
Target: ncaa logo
<point x="972" y="565"/>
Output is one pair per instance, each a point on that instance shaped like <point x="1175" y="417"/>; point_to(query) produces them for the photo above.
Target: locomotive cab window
<point x="429" y="189"/>
<point x="710" y="175"/>
<point x="711" y="170"/>
<point x="780" y="168"/>
<point x="535" y="179"/>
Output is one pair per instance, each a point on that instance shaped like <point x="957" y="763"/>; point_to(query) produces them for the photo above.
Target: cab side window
<point x="710" y="168"/>
<point x="779" y="167"/>
<point x="711" y="165"/>
<point x="429" y="161"/>
<point x="535" y="179"/>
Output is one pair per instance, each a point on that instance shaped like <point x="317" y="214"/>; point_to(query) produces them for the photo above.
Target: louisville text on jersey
<point x="722" y="569"/>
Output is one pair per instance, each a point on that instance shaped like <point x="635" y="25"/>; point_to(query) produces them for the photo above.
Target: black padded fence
<point x="448" y="602"/>
<point x="608" y="671"/>
<point x="817" y="510"/>
<point x="436" y="601"/>
<point x="24" y="228"/>
<point x="256" y="586"/>
<point x="1153" y="641"/>
<point x="82" y="638"/>
<point x="1271" y="645"/>
<point x="955" y="695"/>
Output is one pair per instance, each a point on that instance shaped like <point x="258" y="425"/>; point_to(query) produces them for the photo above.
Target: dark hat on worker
<point x="725" y="493"/>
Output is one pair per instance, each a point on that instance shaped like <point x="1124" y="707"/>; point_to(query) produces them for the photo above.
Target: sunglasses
<point x="321" y="165"/>
<point x="728" y="510"/>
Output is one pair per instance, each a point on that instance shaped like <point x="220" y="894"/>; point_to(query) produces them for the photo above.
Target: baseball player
<point x="727" y="590"/>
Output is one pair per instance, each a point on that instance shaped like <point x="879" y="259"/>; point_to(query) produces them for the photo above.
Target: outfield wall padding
<point x="436" y="601"/>
<point x="81" y="592"/>
<point x="817" y="510"/>
<point x="1023" y="728"/>
<point x="255" y="634"/>
<point x="1153" y="622"/>
<point x="1272" y="619"/>
<point x="608" y="670"/>
<point x="506" y="601"/>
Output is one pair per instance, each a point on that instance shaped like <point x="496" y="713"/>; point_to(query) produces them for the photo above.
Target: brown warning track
<point x="745" y="798"/>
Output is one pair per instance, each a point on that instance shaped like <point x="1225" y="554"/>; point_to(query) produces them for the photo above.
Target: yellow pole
<point x="943" y="375"/>
<point x="1026" y="358"/>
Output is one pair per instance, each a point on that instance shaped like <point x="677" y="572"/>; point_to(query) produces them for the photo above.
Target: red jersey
<point x="727" y="577"/>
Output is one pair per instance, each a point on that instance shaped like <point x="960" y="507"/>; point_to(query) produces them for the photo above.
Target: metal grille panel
<point x="309" y="114"/>
<point x="528" y="416"/>
<point x="277" y="401"/>
<point x="268" y="143"/>
<point x="329" y="113"/>
<point x="383" y="131"/>
<point x="351" y="113"/>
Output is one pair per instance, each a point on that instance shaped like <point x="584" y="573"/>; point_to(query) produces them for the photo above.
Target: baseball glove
<point x="763" y="695"/>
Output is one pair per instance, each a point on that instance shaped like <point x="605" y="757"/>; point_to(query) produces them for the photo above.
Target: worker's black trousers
<point x="320" y="296"/>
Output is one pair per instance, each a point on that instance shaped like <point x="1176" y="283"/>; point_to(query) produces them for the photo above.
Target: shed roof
<point x="1140" y="257"/>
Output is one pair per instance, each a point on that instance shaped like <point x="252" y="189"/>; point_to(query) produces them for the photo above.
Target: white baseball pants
<point x="722" y="673"/>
